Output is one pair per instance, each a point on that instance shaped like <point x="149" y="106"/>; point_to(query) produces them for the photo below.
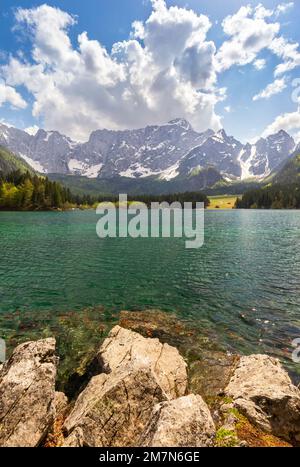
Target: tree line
<point x="271" y="197"/>
<point x="24" y="191"/>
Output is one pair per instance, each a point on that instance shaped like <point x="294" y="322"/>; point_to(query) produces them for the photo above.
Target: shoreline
<point x="211" y="405"/>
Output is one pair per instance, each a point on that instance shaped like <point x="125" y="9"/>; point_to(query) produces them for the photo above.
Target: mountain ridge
<point x="172" y="151"/>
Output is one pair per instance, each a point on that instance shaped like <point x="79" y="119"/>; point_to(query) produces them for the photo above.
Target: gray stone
<point x="183" y="422"/>
<point x="262" y="390"/>
<point x="125" y="347"/>
<point x="114" y="408"/>
<point x="27" y="391"/>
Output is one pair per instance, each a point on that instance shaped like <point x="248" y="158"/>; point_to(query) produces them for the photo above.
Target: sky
<point x="77" y="66"/>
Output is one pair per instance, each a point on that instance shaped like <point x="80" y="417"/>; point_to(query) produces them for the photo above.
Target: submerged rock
<point x="124" y="347"/>
<point x="183" y="422"/>
<point x="262" y="390"/>
<point x="211" y="373"/>
<point x="27" y="392"/>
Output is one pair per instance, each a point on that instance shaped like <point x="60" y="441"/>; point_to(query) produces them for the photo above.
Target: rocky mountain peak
<point x="181" y="122"/>
<point x="166" y="151"/>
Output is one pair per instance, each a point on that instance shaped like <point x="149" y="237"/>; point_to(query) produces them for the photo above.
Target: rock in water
<point x="114" y="408"/>
<point x="183" y="422"/>
<point x="262" y="390"/>
<point x="27" y="391"/>
<point x="127" y="347"/>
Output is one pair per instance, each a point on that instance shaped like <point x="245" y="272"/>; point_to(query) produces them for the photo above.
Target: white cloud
<point x="166" y="69"/>
<point x="288" y="122"/>
<point x="227" y="109"/>
<point x="10" y="95"/>
<point x="284" y="8"/>
<point x="288" y="51"/>
<point x="272" y="89"/>
<point x="260" y="63"/>
<point x="249" y="33"/>
<point x="48" y="27"/>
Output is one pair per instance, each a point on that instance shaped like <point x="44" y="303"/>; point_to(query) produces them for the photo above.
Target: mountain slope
<point x="290" y="173"/>
<point x="219" y="150"/>
<point x="9" y="162"/>
<point x="136" y="186"/>
<point x="279" y="191"/>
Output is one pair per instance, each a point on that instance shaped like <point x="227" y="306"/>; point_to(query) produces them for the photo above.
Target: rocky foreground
<point x="139" y="394"/>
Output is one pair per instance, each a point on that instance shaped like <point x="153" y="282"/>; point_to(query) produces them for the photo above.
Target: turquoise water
<point x="242" y="287"/>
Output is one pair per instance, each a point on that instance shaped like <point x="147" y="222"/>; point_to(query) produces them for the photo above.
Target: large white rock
<point x="183" y="422"/>
<point x="115" y="407"/>
<point x="125" y="347"/>
<point x="262" y="390"/>
<point x="27" y="392"/>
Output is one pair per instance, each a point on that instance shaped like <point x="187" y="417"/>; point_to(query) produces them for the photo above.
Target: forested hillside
<point x="10" y="162"/>
<point x="23" y="191"/>
<point x="271" y="197"/>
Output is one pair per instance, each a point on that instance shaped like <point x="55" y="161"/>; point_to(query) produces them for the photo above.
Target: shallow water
<point x="242" y="287"/>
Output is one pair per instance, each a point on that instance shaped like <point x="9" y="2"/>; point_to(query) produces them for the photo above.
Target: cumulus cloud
<point x="260" y="63"/>
<point x="250" y="32"/>
<point x="166" y="69"/>
<point x="272" y="89"/>
<point x="288" y="122"/>
<point x="10" y="95"/>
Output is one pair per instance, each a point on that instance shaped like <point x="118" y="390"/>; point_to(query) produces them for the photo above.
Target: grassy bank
<point x="222" y="202"/>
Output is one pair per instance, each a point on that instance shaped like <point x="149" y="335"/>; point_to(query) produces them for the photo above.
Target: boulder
<point x="114" y="408"/>
<point x="27" y="391"/>
<point x="183" y="422"/>
<point x="262" y="391"/>
<point x="125" y="347"/>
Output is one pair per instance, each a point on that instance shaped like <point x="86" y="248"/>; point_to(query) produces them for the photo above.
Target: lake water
<point x="242" y="288"/>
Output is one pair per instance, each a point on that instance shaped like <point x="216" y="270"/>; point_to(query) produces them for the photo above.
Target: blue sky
<point x="202" y="60"/>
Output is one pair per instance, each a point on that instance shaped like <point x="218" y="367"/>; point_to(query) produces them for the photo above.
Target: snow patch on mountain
<point x="170" y="173"/>
<point x="246" y="161"/>
<point x="93" y="171"/>
<point x="83" y="168"/>
<point x="34" y="164"/>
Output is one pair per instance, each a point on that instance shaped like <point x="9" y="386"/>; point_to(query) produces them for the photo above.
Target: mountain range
<point x="165" y="152"/>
